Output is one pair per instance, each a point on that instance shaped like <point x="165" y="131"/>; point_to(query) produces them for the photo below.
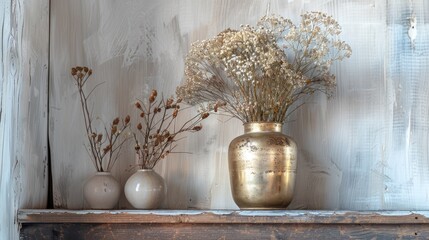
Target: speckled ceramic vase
<point x="145" y="189"/>
<point x="102" y="191"/>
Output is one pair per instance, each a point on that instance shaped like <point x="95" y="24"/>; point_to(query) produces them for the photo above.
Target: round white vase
<point x="145" y="189"/>
<point x="102" y="191"/>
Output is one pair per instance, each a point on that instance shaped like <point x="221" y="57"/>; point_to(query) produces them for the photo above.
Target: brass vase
<point x="262" y="167"/>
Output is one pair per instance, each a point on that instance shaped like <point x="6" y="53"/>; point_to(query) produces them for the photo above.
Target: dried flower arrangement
<point x="256" y="73"/>
<point x="104" y="149"/>
<point x="157" y="134"/>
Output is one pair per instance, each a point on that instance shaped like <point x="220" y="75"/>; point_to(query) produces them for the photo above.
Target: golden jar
<point x="262" y="167"/>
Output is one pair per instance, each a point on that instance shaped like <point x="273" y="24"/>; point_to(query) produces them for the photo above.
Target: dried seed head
<point x="80" y="75"/>
<point x="154" y="93"/>
<point x="169" y="102"/>
<point x="93" y="135"/>
<point x="99" y="137"/>
<point x="166" y="134"/>
<point x="152" y="96"/>
<point x="115" y="121"/>
<point x="142" y="114"/>
<point x="197" y="128"/>
<point x="114" y="129"/>
<point x="127" y="119"/>
<point x="79" y="68"/>
<point x="139" y="126"/>
<point x="137" y="147"/>
<point x="204" y="115"/>
<point x="90" y="72"/>
<point x="107" y="148"/>
<point x="73" y="71"/>
<point x="179" y="100"/>
<point x="138" y="105"/>
<point x="176" y="111"/>
<point x="151" y="99"/>
<point x="85" y="69"/>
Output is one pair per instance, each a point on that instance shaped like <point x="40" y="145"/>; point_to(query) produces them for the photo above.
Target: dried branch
<point x="156" y="136"/>
<point x="104" y="148"/>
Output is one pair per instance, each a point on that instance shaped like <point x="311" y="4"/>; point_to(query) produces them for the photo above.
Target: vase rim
<point x="145" y="169"/>
<point x="103" y="173"/>
<point x="262" y="122"/>
<point x="262" y="127"/>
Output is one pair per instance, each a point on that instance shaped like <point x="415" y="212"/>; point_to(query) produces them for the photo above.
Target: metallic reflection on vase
<point x="262" y="167"/>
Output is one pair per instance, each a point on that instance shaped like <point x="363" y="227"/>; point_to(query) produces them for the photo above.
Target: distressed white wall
<point x="23" y="109"/>
<point x="365" y="149"/>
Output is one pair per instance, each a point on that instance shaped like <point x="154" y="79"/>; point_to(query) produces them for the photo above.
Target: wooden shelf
<point x="215" y="224"/>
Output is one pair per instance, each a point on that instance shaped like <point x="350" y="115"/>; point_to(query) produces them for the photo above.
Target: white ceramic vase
<point x="102" y="191"/>
<point x="145" y="189"/>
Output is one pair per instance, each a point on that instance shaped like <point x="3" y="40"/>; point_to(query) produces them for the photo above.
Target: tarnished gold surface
<point x="262" y="167"/>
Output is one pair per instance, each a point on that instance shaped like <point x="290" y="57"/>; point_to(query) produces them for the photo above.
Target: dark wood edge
<point x="223" y="216"/>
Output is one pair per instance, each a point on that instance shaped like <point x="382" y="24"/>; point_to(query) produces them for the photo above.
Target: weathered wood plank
<point x="223" y="216"/>
<point x="24" y="51"/>
<point x="222" y="224"/>
<point x="222" y="231"/>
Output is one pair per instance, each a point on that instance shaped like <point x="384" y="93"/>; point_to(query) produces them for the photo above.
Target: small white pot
<point x="102" y="191"/>
<point x="145" y="189"/>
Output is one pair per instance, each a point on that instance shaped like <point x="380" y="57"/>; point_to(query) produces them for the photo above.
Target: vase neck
<point x="252" y="127"/>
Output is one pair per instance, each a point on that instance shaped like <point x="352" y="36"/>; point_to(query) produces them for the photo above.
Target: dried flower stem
<point x="104" y="149"/>
<point x="157" y="136"/>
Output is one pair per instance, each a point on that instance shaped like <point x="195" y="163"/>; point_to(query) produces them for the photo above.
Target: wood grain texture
<point x="24" y="53"/>
<point x="26" y="216"/>
<point x="365" y="149"/>
<point x="222" y="231"/>
<point x="222" y="224"/>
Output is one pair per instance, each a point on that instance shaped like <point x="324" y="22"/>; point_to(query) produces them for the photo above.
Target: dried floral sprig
<point x="257" y="73"/>
<point x="103" y="148"/>
<point x="156" y="135"/>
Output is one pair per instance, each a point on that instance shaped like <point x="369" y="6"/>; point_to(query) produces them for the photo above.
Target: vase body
<point x="102" y="191"/>
<point x="262" y="167"/>
<point x="145" y="189"/>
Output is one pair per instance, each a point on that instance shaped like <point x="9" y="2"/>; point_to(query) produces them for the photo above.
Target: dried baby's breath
<point x="257" y="73"/>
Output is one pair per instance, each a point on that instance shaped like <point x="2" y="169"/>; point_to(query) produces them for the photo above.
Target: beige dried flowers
<point x="103" y="146"/>
<point x="157" y="132"/>
<point x="257" y="73"/>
